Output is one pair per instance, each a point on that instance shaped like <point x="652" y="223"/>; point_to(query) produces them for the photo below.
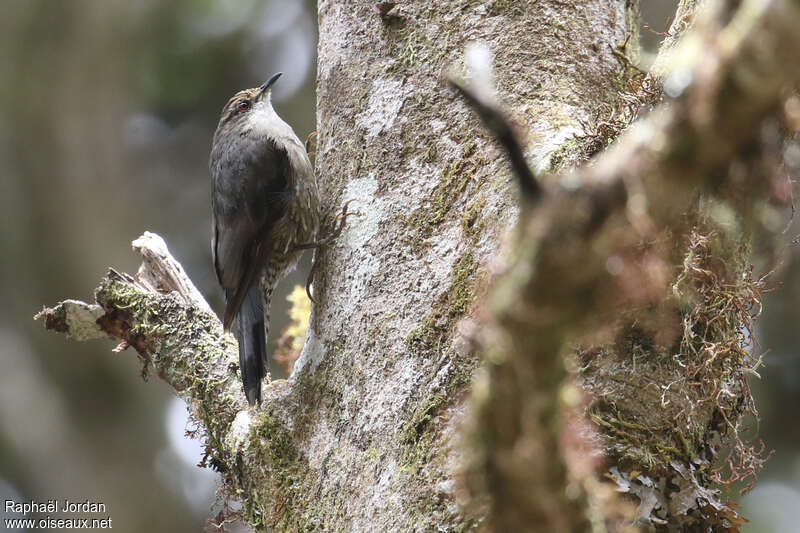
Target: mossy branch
<point x="161" y="314"/>
<point x="607" y="245"/>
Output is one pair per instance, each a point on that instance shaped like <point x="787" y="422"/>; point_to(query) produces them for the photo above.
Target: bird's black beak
<point x="267" y="84"/>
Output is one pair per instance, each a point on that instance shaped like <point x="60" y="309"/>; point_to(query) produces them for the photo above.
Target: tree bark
<point x="365" y="434"/>
<point x="436" y="198"/>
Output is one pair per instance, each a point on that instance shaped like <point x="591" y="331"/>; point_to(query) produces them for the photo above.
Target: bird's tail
<point x="252" y="343"/>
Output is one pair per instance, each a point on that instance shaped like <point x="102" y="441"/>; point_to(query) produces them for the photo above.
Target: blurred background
<point x="107" y="109"/>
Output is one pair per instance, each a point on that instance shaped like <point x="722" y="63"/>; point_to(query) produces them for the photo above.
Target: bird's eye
<point x="244" y="105"/>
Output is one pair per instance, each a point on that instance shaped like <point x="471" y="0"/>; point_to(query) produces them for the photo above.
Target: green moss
<point x="277" y="448"/>
<point x="416" y="427"/>
<point x="564" y="155"/>
<point x="373" y="455"/>
<point x="456" y="178"/>
<point x="424" y="453"/>
<point x="145" y="308"/>
<point x="283" y="479"/>
<point x="410" y="46"/>
<point x="185" y="347"/>
<point x="471" y="222"/>
<point x="426" y="340"/>
<point x="430" y="153"/>
<point x="423" y="440"/>
<point x="156" y="326"/>
<point x="511" y="8"/>
<point x="650" y="448"/>
<point x="714" y="294"/>
<point x="454" y="304"/>
<point x="462" y="293"/>
<point x="425" y="332"/>
<point x="420" y="435"/>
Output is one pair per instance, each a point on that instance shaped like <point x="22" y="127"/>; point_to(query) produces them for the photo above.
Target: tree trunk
<point x="436" y="197"/>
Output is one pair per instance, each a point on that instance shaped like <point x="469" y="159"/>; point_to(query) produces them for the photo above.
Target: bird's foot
<point x="336" y="228"/>
<point x="311" y="136"/>
<point x="338" y="223"/>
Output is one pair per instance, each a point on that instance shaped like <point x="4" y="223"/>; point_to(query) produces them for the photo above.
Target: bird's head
<point x="241" y="108"/>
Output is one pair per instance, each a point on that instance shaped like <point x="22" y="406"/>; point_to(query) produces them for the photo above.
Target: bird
<point x="265" y="211"/>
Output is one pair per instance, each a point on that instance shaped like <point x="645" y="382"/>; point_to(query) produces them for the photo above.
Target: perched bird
<point x="265" y="210"/>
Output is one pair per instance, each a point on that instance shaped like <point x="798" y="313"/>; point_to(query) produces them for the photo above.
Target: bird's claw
<point x="339" y="222"/>
<point x="308" y="143"/>
<point x="308" y="283"/>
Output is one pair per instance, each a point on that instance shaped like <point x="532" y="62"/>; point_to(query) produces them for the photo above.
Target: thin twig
<point x="494" y="120"/>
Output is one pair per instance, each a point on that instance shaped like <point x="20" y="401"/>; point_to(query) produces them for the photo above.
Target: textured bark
<point x="436" y="198"/>
<point x="364" y="434"/>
